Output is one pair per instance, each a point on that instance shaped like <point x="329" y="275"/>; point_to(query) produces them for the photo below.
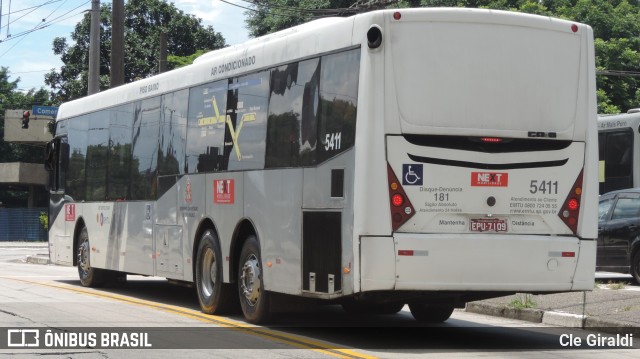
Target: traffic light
<point x="25" y="119"/>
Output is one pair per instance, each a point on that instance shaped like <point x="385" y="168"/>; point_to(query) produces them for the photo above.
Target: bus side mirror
<point x="64" y="156"/>
<point x="49" y="156"/>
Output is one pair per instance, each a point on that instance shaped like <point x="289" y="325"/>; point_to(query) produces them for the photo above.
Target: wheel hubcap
<point x="208" y="280"/>
<point x="83" y="258"/>
<point x="250" y="281"/>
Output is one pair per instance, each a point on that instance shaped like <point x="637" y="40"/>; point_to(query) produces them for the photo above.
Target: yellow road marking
<point x="285" y="338"/>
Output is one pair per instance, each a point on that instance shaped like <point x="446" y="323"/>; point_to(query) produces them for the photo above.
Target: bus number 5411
<point x="333" y="141"/>
<point x="544" y="187"/>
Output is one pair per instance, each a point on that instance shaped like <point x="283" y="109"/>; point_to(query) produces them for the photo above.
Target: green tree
<point x="269" y="16"/>
<point x="180" y="61"/>
<point x="145" y="20"/>
<point x="615" y="23"/>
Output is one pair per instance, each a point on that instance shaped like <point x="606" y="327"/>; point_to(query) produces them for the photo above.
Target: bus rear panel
<point x="490" y="133"/>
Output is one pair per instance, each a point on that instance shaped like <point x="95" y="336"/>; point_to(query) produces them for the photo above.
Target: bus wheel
<point x="635" y="266"/>
<point x="214" y="296"/>
<point x="430" y="313"/>
<point x="363" y="308"/>
<point x="254" y="301"/>
<point x="89" y="276"/>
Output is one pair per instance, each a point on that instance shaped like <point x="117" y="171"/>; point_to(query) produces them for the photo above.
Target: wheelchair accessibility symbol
<point x="412" y="175"/>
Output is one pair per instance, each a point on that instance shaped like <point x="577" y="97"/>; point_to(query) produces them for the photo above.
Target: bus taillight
<point x="401" y="207"/>
<point x="397" y="200"/>
<point x="570" y="211"/>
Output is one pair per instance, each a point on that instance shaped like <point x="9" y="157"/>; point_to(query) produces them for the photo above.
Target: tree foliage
<point x="273" y="15"/>
<point x="615" y="23"/>
<point x="145" y="20"/>
<point x="175" y="62"/>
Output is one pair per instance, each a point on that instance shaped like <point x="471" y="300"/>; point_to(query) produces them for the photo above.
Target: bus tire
<point x="214" y="296"/>
<point x="89" y="276"/>
<point x="430" y="313"/>
<point x="254" y="301"/>
<point x="634" y="267"/>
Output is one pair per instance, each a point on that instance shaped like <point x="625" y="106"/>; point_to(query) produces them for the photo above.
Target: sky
<point x="30" y="56"/>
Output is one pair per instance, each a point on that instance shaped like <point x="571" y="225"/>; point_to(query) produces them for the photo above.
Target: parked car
<point x="619" y="232"/>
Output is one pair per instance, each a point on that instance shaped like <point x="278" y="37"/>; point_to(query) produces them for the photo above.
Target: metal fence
<point x="22" y="224"/>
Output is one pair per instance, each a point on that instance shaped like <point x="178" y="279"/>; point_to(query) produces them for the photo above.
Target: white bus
<point x="619" y="151"/>
<point x="428" y="157"/>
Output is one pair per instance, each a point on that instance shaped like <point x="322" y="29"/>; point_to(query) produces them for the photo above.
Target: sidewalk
<point x="23" y="244"/>
<point x="609" y="308"/>
<point x="42" y="257"/>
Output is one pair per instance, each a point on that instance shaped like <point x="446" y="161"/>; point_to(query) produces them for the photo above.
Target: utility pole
<point x="162" y="66"/>
<point x="9" y="19"/>
<point x="94" y="49"/>
<point x="117" y="43"/>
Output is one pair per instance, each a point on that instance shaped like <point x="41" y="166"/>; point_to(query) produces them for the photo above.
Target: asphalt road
<point x="50" y="297"/>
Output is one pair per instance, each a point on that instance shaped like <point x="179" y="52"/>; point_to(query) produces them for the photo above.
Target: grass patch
<point x="616" y="285"/>
<point x="523" y="301"/>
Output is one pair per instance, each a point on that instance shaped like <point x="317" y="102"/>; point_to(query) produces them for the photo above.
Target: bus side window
<point x="77" y="137"/>
<point x="55" y="163"/>
<point x="173" y="138"/>
<point x="292" y="121"/>
<point x="246" y="125"/>
<point x="618" y="160"/>
<point x="338" y="103"/>
<point x="144" y="163"/>
<point x="205" y="128"/>
<point x="120" y="137"/>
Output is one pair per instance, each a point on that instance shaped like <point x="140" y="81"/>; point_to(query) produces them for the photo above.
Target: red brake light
<point x="400" y="206"/>
<point x="491" y="139"/>
<point x="572" y="204"/>
<point x="397" y="15"/>
<point x="397" y="200"/>
<point x="570" y="211"/>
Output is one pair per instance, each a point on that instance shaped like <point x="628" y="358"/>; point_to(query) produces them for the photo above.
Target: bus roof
<point x="302" y="41"/>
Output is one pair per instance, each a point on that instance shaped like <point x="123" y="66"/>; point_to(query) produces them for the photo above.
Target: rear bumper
<point x="477" y="262"/>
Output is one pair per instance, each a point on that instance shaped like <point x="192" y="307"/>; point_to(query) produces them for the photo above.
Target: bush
<point x="44" y="220"/>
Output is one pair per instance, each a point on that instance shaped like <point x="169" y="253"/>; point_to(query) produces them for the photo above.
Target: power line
<point x="28" y="72"/>
<point x="56" y="9"/>
<point x="269" y="10"/>
<point x="41" y="26"/>
<point x="302" y="10"/>
<point x="618" y="73"/>
<point x="33" y="7"/>
<point x="250" y="9"/>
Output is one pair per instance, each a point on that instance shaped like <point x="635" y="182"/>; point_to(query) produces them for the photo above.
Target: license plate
<point x="488" y="225"/>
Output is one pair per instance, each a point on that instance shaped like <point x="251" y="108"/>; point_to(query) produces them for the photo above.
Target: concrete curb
<point x="529" y="315"/>
<point x="609" y="326"/>
<point x="17" y="244"/>
<point x="36" y="259"/>
<point x="559" y="319"/>
<point x="562" y="319"/>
